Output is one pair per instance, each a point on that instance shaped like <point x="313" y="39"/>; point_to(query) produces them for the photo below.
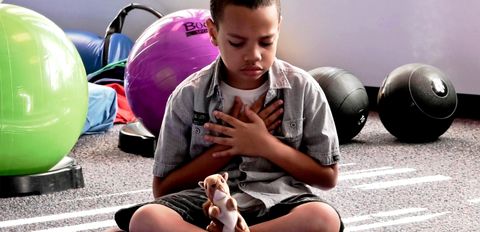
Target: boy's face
<point x="247" y="40"/>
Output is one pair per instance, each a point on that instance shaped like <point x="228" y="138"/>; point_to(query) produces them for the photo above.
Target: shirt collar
<point x="276" y="76"/>
<point x="214" y="85"/>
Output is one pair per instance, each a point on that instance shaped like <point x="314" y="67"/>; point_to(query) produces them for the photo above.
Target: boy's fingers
<point x="270" y="108"/>
<point x="219" y="128"/>
<point x="257" y="105"/>
<point x="227" y="118"/>
<point x="237" y="107"/>
<point x="274" y="125"/>
<point x="273" y="117"/>
<point x="218" y="140"/>
<point x="222" y="153"/>
<point x="253" y="116"/>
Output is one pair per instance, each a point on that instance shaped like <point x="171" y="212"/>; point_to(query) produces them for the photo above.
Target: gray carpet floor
<point x="384" y="185"/>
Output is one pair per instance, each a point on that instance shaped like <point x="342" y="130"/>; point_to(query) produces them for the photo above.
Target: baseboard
<point x="468" y="104"/>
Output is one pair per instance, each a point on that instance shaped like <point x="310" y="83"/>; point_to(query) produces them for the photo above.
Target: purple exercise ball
<point x="166" y="53"/>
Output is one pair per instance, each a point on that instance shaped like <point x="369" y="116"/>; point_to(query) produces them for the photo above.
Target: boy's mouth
<point x="252" y="70"/>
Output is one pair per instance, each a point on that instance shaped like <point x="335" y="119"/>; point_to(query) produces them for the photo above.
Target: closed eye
<point x="237" y="45"/>
<point x="266" y="44"/>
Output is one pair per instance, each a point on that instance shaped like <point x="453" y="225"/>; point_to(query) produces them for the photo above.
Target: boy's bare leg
<point x="113" y="229"/>
<point x="312" y="216"/>
<point x="156" y="217"/>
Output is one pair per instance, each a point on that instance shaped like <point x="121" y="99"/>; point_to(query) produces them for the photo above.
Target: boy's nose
<point x="253" y="54"/>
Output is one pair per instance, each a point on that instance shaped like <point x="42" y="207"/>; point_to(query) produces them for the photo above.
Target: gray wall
<point x="369" y="38"/>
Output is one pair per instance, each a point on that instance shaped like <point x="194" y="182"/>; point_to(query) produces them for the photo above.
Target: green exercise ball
<point x="43" y="92"/>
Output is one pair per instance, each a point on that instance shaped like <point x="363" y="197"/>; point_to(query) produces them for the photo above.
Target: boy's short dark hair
<point x="217" y="7"/>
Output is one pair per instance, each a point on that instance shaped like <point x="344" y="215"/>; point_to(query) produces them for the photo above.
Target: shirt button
<point x="197" y="131"/>
<point x="293" y="124"/>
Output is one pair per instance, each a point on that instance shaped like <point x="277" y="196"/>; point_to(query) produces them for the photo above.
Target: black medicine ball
<point x="347" y="98"/>
<point x="416" y="103"/>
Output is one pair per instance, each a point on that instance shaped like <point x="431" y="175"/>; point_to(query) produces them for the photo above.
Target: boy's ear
<point x="200" y="183"/>
<point x="225" y="175"/>
<point x="212" y="31"/>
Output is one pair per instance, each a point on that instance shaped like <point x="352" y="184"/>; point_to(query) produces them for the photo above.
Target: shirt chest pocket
<point x="291" y="132"/>
<point x="198" y="132"/>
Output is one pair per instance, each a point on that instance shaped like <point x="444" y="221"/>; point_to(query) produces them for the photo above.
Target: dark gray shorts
<point x="188" y="204"/>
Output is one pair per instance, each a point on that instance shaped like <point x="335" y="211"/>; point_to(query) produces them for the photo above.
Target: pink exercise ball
<point x="166" y="53"/>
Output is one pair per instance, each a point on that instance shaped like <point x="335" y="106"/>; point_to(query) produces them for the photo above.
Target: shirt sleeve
<point x="174" y="138"/>
<point x="320" y="138"/>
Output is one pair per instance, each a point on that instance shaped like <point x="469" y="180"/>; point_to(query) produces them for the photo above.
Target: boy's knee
<point x="322" y="216"/>
<point x="143" y="218"/>
<point x="123" y="216"/>
<point x="154" y="216"/>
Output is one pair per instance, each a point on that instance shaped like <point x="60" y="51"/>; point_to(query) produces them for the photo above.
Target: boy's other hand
<point x="271" y="115"/>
